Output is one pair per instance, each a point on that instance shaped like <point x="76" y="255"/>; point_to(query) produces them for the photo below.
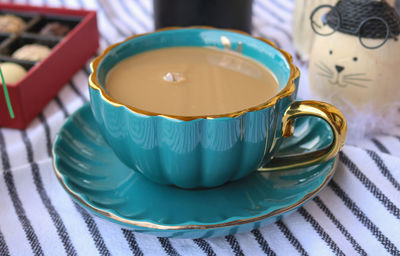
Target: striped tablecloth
<point x="358" y="213"/>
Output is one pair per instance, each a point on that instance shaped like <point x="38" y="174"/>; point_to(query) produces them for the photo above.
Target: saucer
<point x="90" y="172"/>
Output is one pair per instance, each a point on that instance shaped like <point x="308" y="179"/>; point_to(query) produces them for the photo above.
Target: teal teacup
<point x="208" y="151"/>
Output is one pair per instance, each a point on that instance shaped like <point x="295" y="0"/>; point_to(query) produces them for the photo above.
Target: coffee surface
<point x="191" y="81"/>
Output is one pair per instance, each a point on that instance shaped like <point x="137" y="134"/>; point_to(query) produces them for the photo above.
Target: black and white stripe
<point x="380" y="146"/>
<point x="3" y="246"/>
<point x="292" y="239"/>
<point x="321" y="232"/>
<point x="384" y="169"/>
<point x="362" y="217"/>
<point x="18" y="207"/>
<point x="46" y="128"/>
<point x="91" y="225"/>
<point x="205" y="247"/>
<point x="55" y="217"/>
<point x="167" y="246"/>
<point x="130" y="237"/>
<point x="263" y="243"/>
<point x="387" y="203"/>
<point x="94" y="231"/>
<point x="234" y="245"/>
<point x="339" y="225"/>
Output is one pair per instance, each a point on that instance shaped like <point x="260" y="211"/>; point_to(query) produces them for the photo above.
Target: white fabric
<point x="358" y="213"/>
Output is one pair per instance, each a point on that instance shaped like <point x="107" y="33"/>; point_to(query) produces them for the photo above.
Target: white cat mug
<point x="356" y="67"/>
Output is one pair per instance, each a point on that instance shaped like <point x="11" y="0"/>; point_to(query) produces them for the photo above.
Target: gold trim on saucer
<point x="285" y="92"/>
<point x="150" y="225"/>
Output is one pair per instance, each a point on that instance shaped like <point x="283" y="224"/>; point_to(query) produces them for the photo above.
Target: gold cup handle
<point x="323" y="110"/>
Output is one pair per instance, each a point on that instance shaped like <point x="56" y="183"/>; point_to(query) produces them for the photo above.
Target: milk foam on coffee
<point x="191" y="81"/>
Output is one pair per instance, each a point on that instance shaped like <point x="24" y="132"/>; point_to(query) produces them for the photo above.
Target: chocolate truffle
<point x="11" y="24"/>
<point x="33" y="52"/>
<point x="54" y="29"/>
<point x="12" y="72"/>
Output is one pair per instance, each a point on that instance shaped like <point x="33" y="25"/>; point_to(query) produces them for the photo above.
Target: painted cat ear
<point x="319" y="20"/>
<point x="368" y="28"/>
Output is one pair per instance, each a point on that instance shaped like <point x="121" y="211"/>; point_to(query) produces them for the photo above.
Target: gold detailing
<point x="327" y="112"/>
<point x="145" y="224"/>
<point x="287" y="91"/>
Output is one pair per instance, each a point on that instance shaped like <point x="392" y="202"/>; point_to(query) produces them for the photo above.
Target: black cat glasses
<point x="326" y="20"/>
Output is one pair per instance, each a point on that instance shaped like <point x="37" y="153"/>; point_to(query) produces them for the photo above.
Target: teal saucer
<point x="90" y="172"/>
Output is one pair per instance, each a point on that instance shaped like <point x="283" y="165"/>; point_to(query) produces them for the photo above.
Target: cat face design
<point x="342" y="71"/>
<point x="339" y="63"/>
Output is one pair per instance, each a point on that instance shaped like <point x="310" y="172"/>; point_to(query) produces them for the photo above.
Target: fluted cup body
<point x="200" y="151"/>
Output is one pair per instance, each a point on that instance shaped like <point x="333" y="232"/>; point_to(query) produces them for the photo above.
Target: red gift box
<point x="45" y="78"/>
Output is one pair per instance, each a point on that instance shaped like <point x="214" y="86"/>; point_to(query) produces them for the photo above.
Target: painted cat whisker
<point x="323" y="66"/>
<point x="325" y="75"/>
<point x="355" y="84"/>
<point x="355" y="74"/>
<point x="357" y="79"/>
<point x="321" y="71"/>
<point x="324" y="70"/>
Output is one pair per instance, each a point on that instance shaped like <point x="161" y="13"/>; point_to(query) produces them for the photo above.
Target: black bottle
<point x="234" y="14"/>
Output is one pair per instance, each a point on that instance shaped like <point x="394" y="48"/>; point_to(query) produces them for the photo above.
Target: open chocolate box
<point x="44" y="78"/>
